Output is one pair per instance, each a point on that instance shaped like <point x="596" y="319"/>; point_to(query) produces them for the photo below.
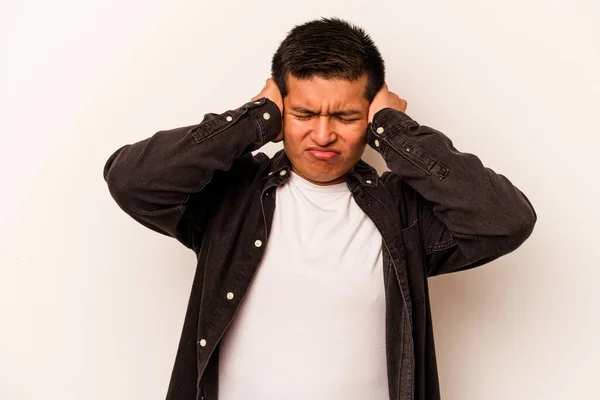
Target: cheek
<point x="294" y="131"/>
<point x="355" y="137"/>
<point x="354" y="146"/>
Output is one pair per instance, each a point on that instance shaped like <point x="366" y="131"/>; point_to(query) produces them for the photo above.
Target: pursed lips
<point x="323" y="154"/>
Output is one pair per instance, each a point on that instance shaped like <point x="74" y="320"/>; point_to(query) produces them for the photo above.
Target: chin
<point x="324" y="178"/>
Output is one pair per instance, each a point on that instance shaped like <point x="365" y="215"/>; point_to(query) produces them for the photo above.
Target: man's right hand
<point x="271" y="91"/>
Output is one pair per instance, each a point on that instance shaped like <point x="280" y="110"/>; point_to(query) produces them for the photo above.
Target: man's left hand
<point x="386" y="99"/>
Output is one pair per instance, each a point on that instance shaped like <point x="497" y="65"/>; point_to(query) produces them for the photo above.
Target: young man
<point x="312" y="270"/>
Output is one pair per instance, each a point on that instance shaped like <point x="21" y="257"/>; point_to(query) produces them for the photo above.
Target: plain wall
<point x="92" y="303"/>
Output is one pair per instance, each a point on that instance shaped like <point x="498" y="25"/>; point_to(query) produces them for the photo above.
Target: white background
<point x="92" y="303"/>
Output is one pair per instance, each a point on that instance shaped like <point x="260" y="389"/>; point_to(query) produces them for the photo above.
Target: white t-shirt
<point x="312" y="324"/>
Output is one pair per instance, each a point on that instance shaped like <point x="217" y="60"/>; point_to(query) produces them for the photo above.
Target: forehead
<point x="331" y="93"/>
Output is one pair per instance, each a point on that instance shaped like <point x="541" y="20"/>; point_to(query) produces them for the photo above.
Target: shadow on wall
<point x="374" y="159"/>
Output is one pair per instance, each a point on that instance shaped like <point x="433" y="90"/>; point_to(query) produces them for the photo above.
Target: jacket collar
<point x="362" y="173"/>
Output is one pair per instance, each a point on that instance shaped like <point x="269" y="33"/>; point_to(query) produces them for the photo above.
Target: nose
<point x="322" y="134"/>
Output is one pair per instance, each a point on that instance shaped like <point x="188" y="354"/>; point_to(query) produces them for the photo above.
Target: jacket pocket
<point x="410" y="237"/>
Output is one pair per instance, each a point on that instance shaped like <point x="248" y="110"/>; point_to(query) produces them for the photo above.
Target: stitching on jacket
<point x="441" y="246"/>
<point x="418" y="164"/>
<point x="206" y="127"/>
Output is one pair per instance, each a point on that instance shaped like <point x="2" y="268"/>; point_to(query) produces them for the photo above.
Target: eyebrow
<point x="342" y="113"/>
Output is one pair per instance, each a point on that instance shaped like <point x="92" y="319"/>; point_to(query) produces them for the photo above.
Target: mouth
<point x="323" y="154"/>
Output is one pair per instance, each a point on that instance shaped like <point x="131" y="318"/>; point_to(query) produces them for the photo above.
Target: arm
<point x="469" y="215"/>
<point x="154" y="180"/>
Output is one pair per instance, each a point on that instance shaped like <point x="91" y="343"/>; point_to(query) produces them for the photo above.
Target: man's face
<point x="324" y="126"/>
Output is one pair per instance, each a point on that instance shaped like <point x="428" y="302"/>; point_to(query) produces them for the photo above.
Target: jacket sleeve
<point x="155" y="179"/>
<point x="468" y="214"/>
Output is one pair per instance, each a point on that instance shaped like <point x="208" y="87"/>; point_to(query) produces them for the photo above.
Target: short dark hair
<point x="328" y="48"/>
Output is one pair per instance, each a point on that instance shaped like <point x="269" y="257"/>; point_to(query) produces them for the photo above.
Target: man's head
<point x="328" y="72"/>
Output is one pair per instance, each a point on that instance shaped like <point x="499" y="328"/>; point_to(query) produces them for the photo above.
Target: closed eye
<point x="343" y="120"/>
<point x="348" y="121"/>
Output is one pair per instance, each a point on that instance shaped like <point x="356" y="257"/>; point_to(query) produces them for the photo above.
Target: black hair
<point x="328" y="48"/>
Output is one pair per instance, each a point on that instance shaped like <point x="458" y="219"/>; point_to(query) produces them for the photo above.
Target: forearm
<point x="470" y="199"/>
<point x="157" y="175"/>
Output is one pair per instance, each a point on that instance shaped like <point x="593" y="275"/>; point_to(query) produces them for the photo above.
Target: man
<point x="311" y="280"/>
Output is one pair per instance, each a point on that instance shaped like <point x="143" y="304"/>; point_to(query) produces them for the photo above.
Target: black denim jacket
<point x="438" y="210"/>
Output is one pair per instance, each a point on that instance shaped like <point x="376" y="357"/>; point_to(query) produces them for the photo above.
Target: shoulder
<point x="403" y="194"/>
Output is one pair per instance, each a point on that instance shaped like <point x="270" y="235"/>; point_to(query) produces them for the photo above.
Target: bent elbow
<point x="118" y="181"/>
